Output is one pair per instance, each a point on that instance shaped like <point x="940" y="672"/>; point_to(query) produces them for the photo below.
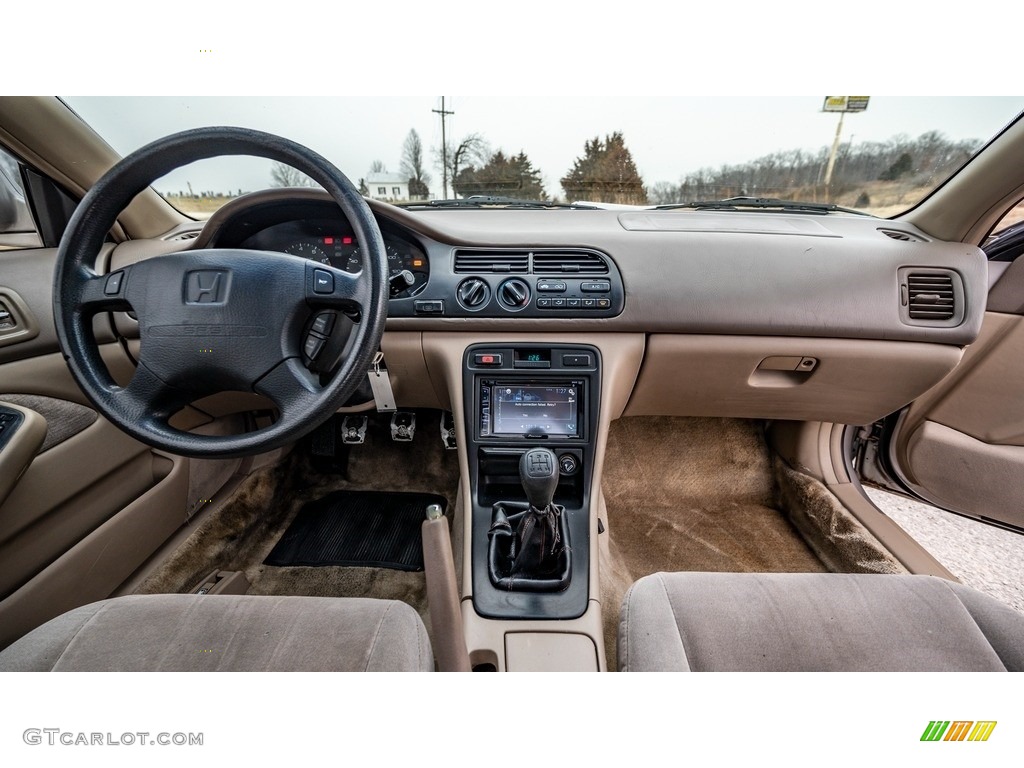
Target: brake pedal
<point x="403" y="426"/>
<point x="353" y="430"/>
<point x="448" y="431"/>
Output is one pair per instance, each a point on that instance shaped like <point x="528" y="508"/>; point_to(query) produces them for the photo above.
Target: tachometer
<point x="308" y="250"/>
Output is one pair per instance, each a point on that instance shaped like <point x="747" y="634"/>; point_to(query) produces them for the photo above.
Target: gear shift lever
<point x="538" y="472"/>
<point x="528" y="545"/>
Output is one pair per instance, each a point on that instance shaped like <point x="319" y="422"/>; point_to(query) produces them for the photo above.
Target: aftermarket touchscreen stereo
<point x="552" y="409"/>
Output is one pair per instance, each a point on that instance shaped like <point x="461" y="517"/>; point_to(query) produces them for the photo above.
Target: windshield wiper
<point x="761" y="203"/>
<point x="494" y="201"/>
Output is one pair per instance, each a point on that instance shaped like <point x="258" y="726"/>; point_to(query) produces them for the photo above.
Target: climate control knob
<point x="473" y="293"/>
<point x="514" y="293"/>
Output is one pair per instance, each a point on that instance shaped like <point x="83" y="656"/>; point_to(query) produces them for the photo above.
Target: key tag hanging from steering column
<point x="380" y="383"/>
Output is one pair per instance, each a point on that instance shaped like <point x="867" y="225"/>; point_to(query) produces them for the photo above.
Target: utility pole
<point x="832" y="158"/>
<point x="444" y="148"/>
<point x="842" y="105"/>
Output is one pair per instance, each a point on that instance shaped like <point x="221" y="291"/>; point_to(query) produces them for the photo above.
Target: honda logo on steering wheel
<point x="208" y="286"/>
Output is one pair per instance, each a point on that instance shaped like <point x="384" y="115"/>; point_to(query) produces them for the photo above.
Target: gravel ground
<point x="982" y="556"/>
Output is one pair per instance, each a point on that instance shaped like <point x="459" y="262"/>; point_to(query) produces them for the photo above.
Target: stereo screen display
<point x="533" y="409"/>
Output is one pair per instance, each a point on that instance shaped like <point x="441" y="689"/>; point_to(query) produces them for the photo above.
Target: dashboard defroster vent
<point x="582" y="263"/>
<point x="483" y="262"/>
<point x="897" y="234"/>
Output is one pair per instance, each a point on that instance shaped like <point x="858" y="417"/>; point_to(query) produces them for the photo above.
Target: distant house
<point x="390" y="187"/>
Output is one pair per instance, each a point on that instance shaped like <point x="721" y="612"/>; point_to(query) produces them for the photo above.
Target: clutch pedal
<point x="403" y="426"/>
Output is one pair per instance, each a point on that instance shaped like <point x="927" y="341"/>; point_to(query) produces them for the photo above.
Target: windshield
<point x="876" y="155"/>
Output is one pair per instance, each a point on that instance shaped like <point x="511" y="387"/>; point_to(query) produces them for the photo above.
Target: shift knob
<point x="538" y="472"/>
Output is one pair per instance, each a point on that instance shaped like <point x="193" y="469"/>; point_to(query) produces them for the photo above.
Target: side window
<point x="1006" y="242"/>
<point x="1014" y="216"/>
<point x="17" y="229"/>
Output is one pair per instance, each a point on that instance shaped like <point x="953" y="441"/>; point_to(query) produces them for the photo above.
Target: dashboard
<point x="751" y="315"/>
<point x="656" y="272"/>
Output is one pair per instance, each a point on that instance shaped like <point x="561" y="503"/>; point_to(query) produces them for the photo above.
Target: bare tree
<point x="412" y="165"/>
<point x="472" y="150"/>
<point x="282" y="175"/>
<point x="377" y="166"/>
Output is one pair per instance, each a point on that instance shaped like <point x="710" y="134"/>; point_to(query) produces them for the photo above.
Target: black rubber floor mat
<point x="357" y="528"/>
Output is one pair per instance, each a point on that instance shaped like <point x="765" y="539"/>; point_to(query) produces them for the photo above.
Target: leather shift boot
<point x="528" y="548"/>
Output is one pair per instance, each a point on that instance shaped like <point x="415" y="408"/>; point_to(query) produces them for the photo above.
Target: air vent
<point x="896" y="234"/>
<point x="185" y="236"/>
<point x="930" y="296"/>
<point x="569" y="263"/>
<point x="482" y="262"/>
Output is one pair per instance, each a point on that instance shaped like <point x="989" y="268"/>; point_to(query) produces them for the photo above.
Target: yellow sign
<point x="845" y="103"/>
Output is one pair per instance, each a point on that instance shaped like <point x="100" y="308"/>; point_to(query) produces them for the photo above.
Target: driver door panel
<point x="83" y="490"/>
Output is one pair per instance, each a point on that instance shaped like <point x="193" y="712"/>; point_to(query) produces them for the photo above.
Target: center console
<point x="521" y="397"/>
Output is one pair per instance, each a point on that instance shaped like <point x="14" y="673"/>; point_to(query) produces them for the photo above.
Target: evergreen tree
<point x="605" y="173"/>
<point x="502" y="176"/>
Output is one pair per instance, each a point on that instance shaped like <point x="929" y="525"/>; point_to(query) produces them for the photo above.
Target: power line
<point x="444" y="148"/>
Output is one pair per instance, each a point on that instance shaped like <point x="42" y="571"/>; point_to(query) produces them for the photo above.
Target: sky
<point x="691" y="86"/>
<point x="669" y="136"/>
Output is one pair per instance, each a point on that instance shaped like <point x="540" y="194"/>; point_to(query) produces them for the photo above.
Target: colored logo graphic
<point x="958" y="730"/>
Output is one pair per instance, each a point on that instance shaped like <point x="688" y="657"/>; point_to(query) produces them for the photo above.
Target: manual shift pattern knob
<point x="538" y="472"/>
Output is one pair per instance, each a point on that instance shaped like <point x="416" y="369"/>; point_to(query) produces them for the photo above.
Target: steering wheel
<point x="218" y="319"/>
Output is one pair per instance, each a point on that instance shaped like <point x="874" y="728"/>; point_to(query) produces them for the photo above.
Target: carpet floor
<point x="689" y="494"/>
<point x="240" y="535"/>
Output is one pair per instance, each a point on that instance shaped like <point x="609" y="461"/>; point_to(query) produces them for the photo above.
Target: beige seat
<point x="227" y="633"/>
<point x="814" y="622"/>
